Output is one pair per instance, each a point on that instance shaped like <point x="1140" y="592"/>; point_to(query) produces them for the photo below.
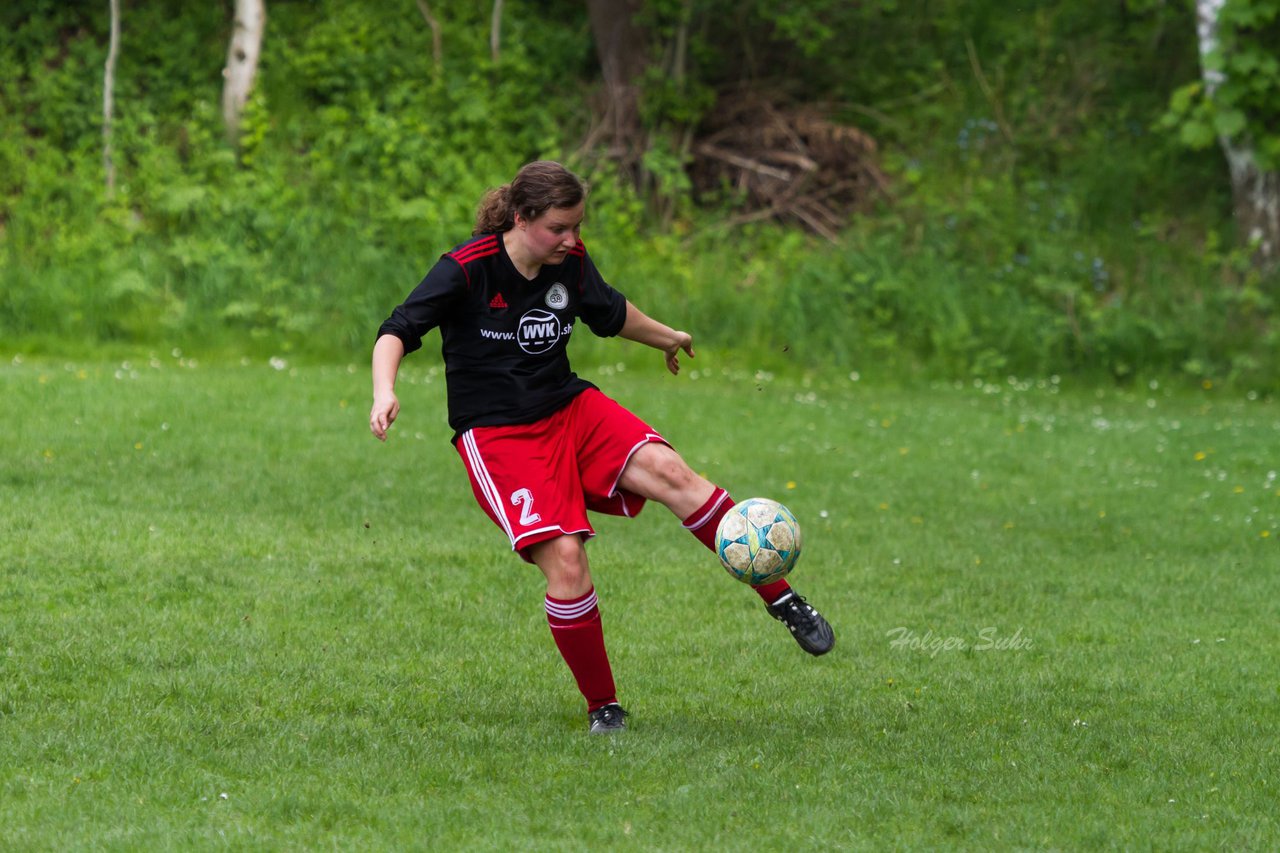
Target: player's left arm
<point x="643" y="329"/>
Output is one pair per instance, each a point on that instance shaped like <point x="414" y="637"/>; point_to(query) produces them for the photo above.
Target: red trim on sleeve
<point x="481" y="247"/>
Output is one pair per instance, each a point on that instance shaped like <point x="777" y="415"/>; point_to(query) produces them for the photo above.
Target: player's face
<point x="551" y="236"/>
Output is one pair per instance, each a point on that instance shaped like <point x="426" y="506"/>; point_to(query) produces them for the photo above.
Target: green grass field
<point x="230" y="618"/>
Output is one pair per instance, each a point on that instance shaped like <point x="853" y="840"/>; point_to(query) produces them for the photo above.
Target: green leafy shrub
<point x="1042" y="221"/>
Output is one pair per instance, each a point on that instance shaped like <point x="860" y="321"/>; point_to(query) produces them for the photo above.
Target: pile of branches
<point x="787" y="163"/>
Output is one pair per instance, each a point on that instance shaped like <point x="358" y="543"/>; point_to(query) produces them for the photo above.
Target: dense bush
<point x="1039" y="221"/>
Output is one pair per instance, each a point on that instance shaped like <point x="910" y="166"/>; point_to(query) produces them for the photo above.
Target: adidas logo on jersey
<point x="497" y="303"/>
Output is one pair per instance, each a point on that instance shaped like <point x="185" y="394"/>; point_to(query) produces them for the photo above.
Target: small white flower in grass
<point x="278" y="363"/>
<point x="223" y="796"/>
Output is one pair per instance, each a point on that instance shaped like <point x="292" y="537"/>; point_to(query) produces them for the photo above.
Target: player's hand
<point x="383" y="414"/>
<point x="684" y="341"/>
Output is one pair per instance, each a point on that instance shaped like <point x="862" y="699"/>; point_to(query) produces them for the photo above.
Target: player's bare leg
<point x="658" y="473"/>
<point x="563" y="562"/>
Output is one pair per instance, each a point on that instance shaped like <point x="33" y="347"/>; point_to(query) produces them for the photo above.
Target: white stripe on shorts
<point x="485" y="481"/>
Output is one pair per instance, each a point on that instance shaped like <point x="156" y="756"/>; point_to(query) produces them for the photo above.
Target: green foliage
<point x="1249" y="99"/>
<point x="994" y="279"/>
<point x="1245" y="106"/>
<point x="352" y="158"/>
<point x="1038" y="225"/>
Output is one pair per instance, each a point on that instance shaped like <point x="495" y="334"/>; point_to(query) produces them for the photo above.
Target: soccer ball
<point x="758" y="541"/>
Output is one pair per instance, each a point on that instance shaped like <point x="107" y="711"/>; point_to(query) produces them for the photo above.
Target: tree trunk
<point x="437" y="40"/>
<point x="242" y="62"/>
<point x="1256" y="197"/>
<point x="623" y="49"/>
<point x="495" y="32"/>
<point x="108" y="98"/>
<point x="1255" y="192"/>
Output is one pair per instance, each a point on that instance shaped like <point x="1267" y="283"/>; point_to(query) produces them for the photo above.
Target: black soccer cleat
<point x="806" y="624"/>
<point x="607" y="720"/>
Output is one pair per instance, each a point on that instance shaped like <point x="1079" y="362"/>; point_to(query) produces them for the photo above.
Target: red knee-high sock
<point x="703" y="523"/>
<point x="575" y="626"/>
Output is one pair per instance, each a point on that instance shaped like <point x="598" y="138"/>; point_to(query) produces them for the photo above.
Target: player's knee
<point x="667" y="467"/>
<point x="564" y="562"/>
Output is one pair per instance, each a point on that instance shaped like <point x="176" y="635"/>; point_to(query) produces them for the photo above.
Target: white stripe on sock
<point x="706" y="516"/>
<point x="571" y="610"/>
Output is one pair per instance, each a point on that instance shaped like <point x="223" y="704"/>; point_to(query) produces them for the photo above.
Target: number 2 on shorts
<point x="523" y="498"/>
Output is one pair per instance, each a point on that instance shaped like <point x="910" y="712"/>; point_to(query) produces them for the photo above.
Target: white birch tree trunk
<point x="1255" y="193"/>
<point x="437" y="40"/>
<point x="495" y="32"/>
<point x="242" y="62"/>
<point x="108" y="98"/>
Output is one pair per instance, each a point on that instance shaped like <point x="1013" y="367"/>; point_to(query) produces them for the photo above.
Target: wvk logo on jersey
<point x="539" y="331"/>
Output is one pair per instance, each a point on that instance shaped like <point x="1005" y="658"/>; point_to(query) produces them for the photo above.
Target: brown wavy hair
<point x="537" y="187"/>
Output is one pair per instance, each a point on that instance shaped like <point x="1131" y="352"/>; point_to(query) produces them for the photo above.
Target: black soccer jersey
<point x="504" y="337"/>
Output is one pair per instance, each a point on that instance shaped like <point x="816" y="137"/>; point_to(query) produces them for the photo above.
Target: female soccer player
<point x="541" y="445"/>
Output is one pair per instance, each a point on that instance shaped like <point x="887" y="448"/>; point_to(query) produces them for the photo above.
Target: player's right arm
<point x="387" y="354"/>
<point x="402" y="332"/>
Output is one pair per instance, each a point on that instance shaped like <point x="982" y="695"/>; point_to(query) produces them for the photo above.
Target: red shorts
<point x="537" y="481"/>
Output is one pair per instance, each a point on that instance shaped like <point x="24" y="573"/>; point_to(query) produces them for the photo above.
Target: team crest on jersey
<point x="557" y="296"/>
